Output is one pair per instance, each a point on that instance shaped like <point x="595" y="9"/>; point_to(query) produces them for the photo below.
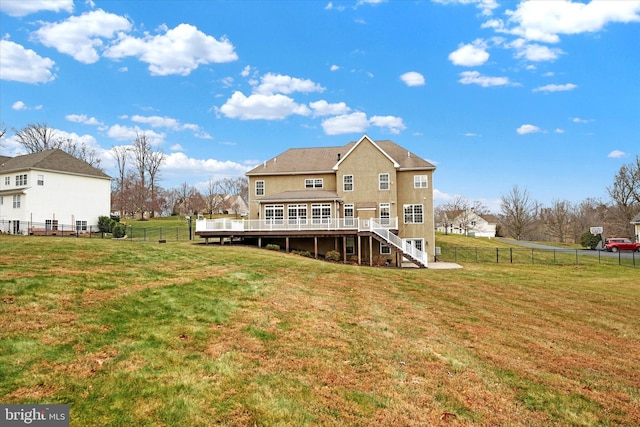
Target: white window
<point x="81" y="225"/>
<point x="259" y="188"/>
<point x="320" y="213"/>
<point x="313" y="183"/>
<point x="7" y="180"/>
<point x="347" y="182"/>
<point x="274" y="214"/>
<point x="413" y="214"/>
<point x="1" y="200"/>
<point x="383" y="181"/>
<point x="40" y="179"/>
<point x="384" y="249"/>
<point x="297" y="214"/>
<point x="21" y="180"/>
<point x="16" y="201"/>
<point x="385" y="214"/>
<point x="348" y="215"/>
<point x="420" y="181"/>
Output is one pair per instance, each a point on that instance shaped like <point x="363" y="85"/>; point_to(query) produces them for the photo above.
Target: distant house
<point x="467" y="222"/>
<point x="636" y="227"/>
<point x="51" y="191"/>
<point x="368" y="200"/>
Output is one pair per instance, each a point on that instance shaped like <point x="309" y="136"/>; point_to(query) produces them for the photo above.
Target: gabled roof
<point x="455" y="214"/>
<point x="366" y="138"/>
<point x="51" y="160"/>
<point x="324" y="159"/>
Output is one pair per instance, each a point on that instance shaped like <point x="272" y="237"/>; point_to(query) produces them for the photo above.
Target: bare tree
<point x="140" y="150"/>
<point x="518" y="213"/>
<point x="625" y="194"/>
<point x="36" y="137"/>
<point x="154" y="161"/>
<point x="121" y="155"/>
<point x="558" y="219"/>
<point x="213" y="197"/>
<point x="3" y="130"/>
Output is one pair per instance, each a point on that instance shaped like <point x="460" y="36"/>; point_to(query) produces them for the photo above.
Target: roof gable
<point x="365" y="139"/>
<point x="52" y="160"/>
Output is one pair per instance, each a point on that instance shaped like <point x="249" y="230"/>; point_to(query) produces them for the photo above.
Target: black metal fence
<point x="157" y="234"/>
<point x="53" y="228"/>
<point x="538" y="256"/>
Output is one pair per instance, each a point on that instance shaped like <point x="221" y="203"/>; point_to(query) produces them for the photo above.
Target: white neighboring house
<point x="636" y="227"/>
<point x="51" y="190"/>
<point x="468" y="222"/>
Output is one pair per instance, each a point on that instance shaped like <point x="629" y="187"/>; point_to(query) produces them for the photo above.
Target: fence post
<point x="497" y="255"/>
<point x="554" y="257"/>
<point x="577" y="263"/>
<point x="532" y="257"/>
<point x="511" y="255"/>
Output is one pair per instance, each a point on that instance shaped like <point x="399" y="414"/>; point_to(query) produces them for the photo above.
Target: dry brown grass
<point x="196" y="335"/>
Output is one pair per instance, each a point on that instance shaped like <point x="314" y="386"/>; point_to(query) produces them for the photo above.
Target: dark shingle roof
<point x="323" y="159"/>
<point x="52" y="160"/>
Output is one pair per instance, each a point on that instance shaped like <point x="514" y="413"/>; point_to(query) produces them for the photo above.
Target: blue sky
<point x="540" y="94"/>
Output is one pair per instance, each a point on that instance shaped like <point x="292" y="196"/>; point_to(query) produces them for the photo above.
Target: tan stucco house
<point x="369" y="200"/>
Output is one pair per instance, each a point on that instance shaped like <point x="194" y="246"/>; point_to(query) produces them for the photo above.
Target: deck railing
<point x="228" y="224"/>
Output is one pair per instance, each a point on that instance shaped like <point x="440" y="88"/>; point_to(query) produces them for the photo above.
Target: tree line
<point x="523" y="218"/>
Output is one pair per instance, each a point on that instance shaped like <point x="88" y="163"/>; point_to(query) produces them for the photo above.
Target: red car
<point x="616" y="244"/>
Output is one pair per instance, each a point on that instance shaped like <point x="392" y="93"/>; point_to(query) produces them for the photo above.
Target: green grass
<point x="186" y="334"/>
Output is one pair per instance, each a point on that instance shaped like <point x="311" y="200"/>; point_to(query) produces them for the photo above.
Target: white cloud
<point x="24" y="65"/>
<point x="126" y="133"/>
<point x="535" y="52"/>
<point x="616" y="154"/>
<point x="391" y="123"/>
<point x="412" y="78"/>
<point x="179" y="51"/>
<point x="558" y="130"/>
<point x="246" y="71"/>
<point x="81" y="36"/>
<point x="22" y="8"/>
<point x="555" y="88"/>
<point x="356" y="122"/>
<point x="82" y="118"/>
<point x="323" y="108"/>
<point x="157" y="121"/>
<point x="334" y="68"/>
<point x="260" y="106"/>
<point x="527" y="128"/>
<point x="470" y="55"/>
<point x="579" y="120"/>
<point x="179" y="162"/>
<point x="278" y="83"/>
<point x="545" y="20"/>
<point x="19" y="105"/>
<point x="474" y="77"/>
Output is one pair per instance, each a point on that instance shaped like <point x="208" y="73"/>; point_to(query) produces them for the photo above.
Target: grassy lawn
<point x="183" y="334"/>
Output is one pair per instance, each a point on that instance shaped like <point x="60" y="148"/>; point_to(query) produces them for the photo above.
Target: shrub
<point x="332" y="256"/>
<point x="273" y="247"/>
<point x="379" y="260"/>
<point x="588" y="240"/>
<point x="105" y="224"/>
<point x="119" y="230"/>
<point x="301" y="253"/>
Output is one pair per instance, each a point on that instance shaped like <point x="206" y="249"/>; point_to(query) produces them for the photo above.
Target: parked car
<point x="616" y="244"/>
